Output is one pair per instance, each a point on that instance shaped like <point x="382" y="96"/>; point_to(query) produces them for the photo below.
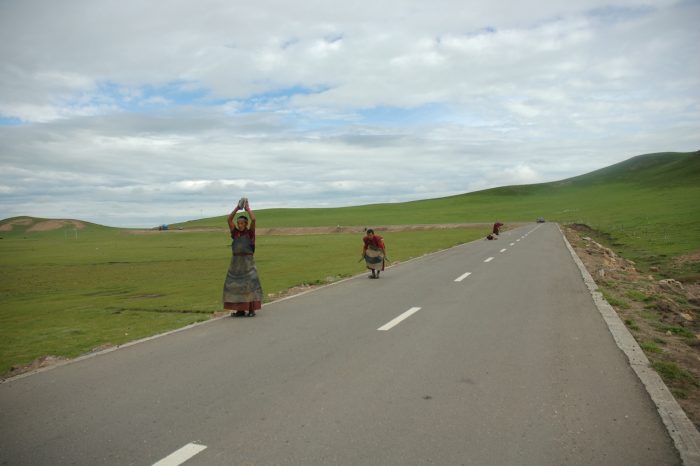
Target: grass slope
<point x="670" y="173"/>
<point x="648" y="206"/>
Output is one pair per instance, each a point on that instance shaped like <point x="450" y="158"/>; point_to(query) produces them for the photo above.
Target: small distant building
<point x="163" y="227"/>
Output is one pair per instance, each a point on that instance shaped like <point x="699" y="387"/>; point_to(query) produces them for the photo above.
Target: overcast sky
<point x="133" y="113"/>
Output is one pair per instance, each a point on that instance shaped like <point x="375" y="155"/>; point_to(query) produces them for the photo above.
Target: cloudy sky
<point x="133" y="113"/>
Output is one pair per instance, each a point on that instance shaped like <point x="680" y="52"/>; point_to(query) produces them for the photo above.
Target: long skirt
<point x="242" y="290"/>
<point x="374" y="258"/>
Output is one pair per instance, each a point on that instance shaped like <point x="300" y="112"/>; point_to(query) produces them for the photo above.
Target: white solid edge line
<point x="462" y="277"/>
<point x="180" y="456"/>
<point x="503" y="250"/>
<point x="489" y="259"/>
<point x="685" y="436"/>
<point x="394" y="322"/>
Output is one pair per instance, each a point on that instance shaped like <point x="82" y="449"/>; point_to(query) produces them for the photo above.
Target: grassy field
<point x="65" y="296"/>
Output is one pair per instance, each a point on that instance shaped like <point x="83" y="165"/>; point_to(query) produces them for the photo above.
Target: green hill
<point x="608" y="196"/>
<point x="662" y="170"/>
<point x="649" y="206"/>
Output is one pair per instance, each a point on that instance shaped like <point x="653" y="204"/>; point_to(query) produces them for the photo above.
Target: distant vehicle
<point x="163" y="227"/>
<point x="540" y="219"/>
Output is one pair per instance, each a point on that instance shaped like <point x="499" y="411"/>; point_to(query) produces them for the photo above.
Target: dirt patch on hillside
<point x="48" y="225"/>
<point x="291" y="231"/>
<point x="693" y="257"/>
<point x="9" y="226"/>
<point x="661" y="314"/>
<point x="361" y="229"/>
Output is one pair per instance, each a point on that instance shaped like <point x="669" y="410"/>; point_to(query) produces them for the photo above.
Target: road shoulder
<point x="685" y="436"/>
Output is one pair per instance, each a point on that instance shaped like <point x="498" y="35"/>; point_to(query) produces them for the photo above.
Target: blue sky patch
<point x="10" y="121"/>
<point x="275" y="99"/>
<point x="150" y="97"/>
<point x="388" y="115"/>
<point x="613" y="14"/>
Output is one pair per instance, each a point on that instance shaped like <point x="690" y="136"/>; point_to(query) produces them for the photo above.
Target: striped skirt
<point x="242" y="289"/>
<point x="374" y="258"/>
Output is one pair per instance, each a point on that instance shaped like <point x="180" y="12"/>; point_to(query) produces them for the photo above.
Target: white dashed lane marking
<point x="180" y="456"/>
<point x="394" y="322"/>
<point x="462" y="277"/>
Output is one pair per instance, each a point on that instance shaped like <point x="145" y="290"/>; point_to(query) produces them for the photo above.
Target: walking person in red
<point x="497" y="228"/>
<point x="374" y="253"/>
<point x="242" y="290"/>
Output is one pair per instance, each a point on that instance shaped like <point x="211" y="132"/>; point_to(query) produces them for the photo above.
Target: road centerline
<point x="503" y="250"/>
<point x="178" y="457"/>
<point x="489" y="259"/>
<point x="462" y="277"/>
<point x="397" y="320"/>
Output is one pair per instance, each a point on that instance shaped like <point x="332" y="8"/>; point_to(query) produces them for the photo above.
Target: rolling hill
<point x="603" y="197"/>
<point x="44" y="227"/>
<point x="648" y="206"/>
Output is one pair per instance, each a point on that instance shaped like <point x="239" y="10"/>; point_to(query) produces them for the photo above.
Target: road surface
<point x="490" y="353"/>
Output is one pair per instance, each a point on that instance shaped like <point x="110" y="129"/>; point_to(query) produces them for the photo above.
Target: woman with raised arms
<point x="242" y="290"/>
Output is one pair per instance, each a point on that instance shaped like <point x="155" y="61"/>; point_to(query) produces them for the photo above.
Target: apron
<point x="242" y="289"/>
<point x="374" y="258"/>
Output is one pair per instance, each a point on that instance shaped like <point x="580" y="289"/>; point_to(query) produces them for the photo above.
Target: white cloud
<point x="133" y="110"/>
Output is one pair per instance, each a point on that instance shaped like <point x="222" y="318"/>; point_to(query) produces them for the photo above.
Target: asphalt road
<point x="511" y="365"/>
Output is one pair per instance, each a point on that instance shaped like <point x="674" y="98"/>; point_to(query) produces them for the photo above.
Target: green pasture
<point x="65" y="296"/>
